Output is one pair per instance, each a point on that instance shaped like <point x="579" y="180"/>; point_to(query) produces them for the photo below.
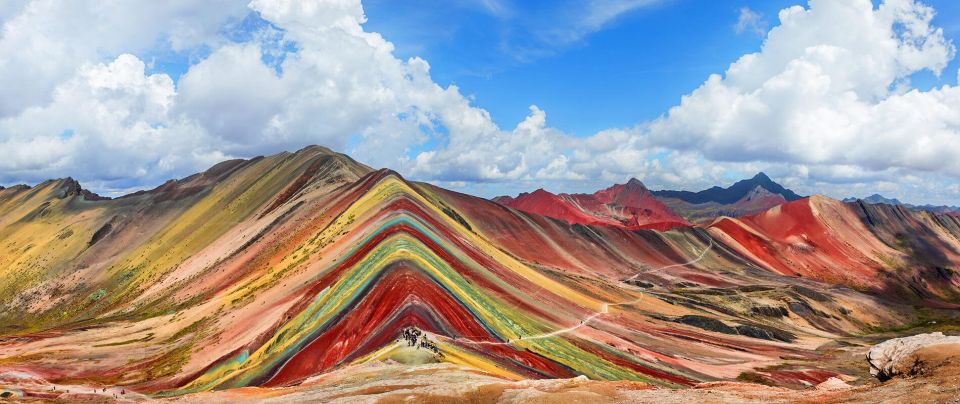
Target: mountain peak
<point x="732" y="194"/>
<point x="633" y="193"/>
<point x="535" y="197"/>
<point x="635" y="185"/>
<point x="876" y="199"/>
<point x="630" y="205"/>
<point x="71" y="187"/>
<point x="316" y="148"/>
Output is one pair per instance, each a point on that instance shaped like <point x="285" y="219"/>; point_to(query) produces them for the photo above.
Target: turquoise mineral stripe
<point x="497" y="318"/>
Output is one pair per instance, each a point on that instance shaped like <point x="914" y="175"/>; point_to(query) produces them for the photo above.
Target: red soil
<point x="629" y="206"/>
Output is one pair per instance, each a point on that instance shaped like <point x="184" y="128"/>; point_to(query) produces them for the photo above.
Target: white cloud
<point x="347" y="81"/>
<point x="9" y="9"/>
<point x="543" y="29"/>
<point x="599" y="13"/>
<point x="232" y="95"/>
<point x="110" y="121"/>
<point x="750" y="21"/>
<point x="75" y="102"/>
<point x="497" y="8"/>
<point x="488" y="154"/>
<point x="341" y="82"/>
<point x="580" y="19"/>
<point x="824" y="91"/>
<point x="826" y="101"/>
<point x="43" y="44"/>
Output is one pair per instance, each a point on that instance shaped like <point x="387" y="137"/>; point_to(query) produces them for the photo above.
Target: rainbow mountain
<point x="277" y="270"/>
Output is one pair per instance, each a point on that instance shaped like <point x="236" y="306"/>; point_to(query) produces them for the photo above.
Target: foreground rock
<point x="911" y="356"/>
<point x="391" y="382"/>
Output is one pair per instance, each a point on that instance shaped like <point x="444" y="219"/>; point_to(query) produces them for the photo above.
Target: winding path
<point x="604" y="309"/>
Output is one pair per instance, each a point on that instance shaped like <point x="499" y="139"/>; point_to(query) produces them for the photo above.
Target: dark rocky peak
<point x="71" y="187"/>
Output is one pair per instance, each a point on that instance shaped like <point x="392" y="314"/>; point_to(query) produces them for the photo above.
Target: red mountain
<point x="258" y="279"/>
<point x="853" y="244"/>
<point x="629" y="205"/>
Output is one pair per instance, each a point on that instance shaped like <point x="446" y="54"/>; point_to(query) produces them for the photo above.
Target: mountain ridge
<point x="880" y="199"/>
<point x="276" y="270"/>
<point x="629" y="205"/>
<point x="876" y="198"/>
<point x="731" y="194"/>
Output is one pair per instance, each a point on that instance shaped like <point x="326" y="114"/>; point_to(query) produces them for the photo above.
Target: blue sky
<point x="491" y="96"/>
<point x="633" y="69"/>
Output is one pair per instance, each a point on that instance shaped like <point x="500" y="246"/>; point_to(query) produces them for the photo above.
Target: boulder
<point x="896" y="356"/>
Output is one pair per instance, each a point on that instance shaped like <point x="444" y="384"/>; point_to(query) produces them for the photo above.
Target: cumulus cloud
<point x="43" y="42"/>
<point x="826" y="101"/>
<point x="111" y="120"/>
<point x="494" y="155"/>
<point x="823" y="99"/>
<point x="828" y="87"/>
<point x="339" y="83"/>
<point x="232" y="95"/>
<point x="76" y="102"/>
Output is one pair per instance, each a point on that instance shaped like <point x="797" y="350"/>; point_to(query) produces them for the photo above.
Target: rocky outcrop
<point x="833" y="384"/>
<point x="898" y="356"/>
<point x="71" y="187"/>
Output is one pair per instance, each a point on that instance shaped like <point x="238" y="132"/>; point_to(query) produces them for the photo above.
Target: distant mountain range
<point x="746" y="197"/>
<point x="875" y="199"/>
<point x="629" y="205"/>
<point x="633" y="206"/>
<point x="880" y="199"/>
<point x="731" y="194"/>
<point x="282" y="270"/>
